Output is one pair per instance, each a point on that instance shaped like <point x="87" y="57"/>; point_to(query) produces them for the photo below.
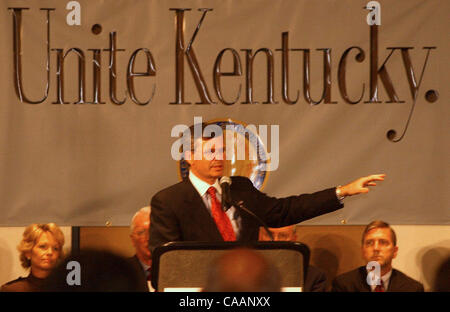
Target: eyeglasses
<point x="142" y="233"/>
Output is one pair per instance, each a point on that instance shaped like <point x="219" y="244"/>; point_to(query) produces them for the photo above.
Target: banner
<point x="95" y="94"/>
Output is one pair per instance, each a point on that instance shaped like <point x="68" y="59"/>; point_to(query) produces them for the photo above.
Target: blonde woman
<point x="40" y="250"/>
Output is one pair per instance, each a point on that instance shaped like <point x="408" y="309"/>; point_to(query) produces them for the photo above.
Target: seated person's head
<point x="243" y="270"/>
<point x="379" y="243"/>
<point x="139" y="234"/>
<point x="41" y="248"/>
<point x="286" y="234"/>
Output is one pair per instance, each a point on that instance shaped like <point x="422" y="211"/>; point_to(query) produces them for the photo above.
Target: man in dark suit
<point x="142" y="260"/>
<point x="379" y="248"/>
<point x="190" y="210"/>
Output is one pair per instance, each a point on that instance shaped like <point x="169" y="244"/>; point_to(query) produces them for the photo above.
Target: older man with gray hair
<point x="139" y="234"/>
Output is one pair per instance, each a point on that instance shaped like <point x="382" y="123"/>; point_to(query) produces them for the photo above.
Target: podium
<point x="184" y="266"/>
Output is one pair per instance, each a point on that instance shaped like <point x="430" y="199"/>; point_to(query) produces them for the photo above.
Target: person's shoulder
<point x="405" y="282"/>
<point x="19" y="284"/>
<point x="172" y="189"/>
<point x="132" y="259"/>
<point x="352" y="274"/>
<point x="350" y="281"/>
<point x="316" y="272"/>
<point x="315" y="280"/>
<point x="240" y="181"/>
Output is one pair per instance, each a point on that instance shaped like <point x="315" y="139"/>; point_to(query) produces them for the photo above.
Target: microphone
<point x="227" y="202"/>
<point x="225" y="183"/>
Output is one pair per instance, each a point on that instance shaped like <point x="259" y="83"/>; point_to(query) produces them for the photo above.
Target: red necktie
<point x="222" y="221"/>
<point x="380" y="288"/>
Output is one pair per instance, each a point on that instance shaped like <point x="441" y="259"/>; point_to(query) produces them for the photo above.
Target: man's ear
<point x="395" y="252"/>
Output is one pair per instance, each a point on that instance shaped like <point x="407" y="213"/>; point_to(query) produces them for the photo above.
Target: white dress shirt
<point x="145" y="267"/>
<point x="385" y="278"/>
<point x="202" y="188"/>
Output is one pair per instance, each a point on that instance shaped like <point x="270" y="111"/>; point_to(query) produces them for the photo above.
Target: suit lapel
<point x="199" y="214"/>
<point x="363" y="286"/>
<point x="394" y="282"/>
<point x="143" y="286"/>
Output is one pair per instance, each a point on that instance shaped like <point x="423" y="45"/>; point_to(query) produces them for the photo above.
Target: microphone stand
<point x="240" y="205"/>
<point x="227" y="201"/>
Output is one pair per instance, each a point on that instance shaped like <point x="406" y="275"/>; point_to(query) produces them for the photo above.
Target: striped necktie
<point x="380" y="288"/>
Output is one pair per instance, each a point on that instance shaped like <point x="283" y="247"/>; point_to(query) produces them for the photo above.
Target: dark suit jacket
<point x="142" y="286"/>
<point x="24" y="284"/>
<point x="179" y="214"/>
<point x="356" y="281"/>
<point x="315" y="280"/>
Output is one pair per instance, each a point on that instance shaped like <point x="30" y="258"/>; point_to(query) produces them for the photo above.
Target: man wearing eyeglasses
<point x="139" y="234"/>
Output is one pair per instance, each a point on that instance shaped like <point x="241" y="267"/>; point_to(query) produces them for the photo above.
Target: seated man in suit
<point x="379" y="246"/>
<point x="191" y="210"/>
<point x="142" y="260"/>
<point x="315" y="279"/>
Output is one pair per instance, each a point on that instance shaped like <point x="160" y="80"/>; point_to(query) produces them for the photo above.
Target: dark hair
<point x="378" y="224"/>
<point x="99" y="270"/>
<point x="192" y="135"/>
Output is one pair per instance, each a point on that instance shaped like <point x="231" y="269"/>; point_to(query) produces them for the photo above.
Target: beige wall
<point x="335" y="249"/>
<point x="115" y="239"/>
<point x="421" y="250"/>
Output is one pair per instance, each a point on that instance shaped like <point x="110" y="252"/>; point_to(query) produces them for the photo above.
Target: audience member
<point x="40" y="250"/>
<point x="242" y="270"/>
<point x="379" y="244"/>
<point x="139" y="234"/>
<point x="93" y="271"/>
<point x="442" y="280"/>
<point x="315" y="279"/>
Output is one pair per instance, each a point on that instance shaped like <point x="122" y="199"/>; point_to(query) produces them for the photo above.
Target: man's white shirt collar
<point x="386" y="280"/>
<point x="202" y="186"/>
<point x="144" y="265"/>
